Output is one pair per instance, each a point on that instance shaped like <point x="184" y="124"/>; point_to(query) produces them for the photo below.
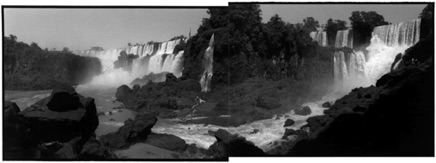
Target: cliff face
<point x="393" y="118"/>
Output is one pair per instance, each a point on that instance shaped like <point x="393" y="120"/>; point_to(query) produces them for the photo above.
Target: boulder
<point x="289" y="132"/>
<point x="289" y="122"/>
<point x="63" y="98"/>
<point x="326" y="105"/>
<point x="61" y="124"/>
<point x="132" y="131"/>
<point x="232" y="145"/>
<point x="95" y="150"/>
<point x="166" y="141"/>
<point x="124" y="94"/>
<point x="304" y="111"/>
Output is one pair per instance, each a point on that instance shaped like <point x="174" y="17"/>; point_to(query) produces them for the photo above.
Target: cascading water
<point x="153" y="58"/>
<point x="352" y="70"/>
<point x="206" y="78"/>
<point x="320" y="37"/>
<point x="344" y="38"/>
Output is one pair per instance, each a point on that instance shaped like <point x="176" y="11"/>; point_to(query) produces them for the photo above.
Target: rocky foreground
<point x="63" y="126"/>
<point x="393" y="118"/>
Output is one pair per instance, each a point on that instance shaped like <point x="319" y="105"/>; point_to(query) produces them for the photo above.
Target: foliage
<point x="363" y="24"/>
<point x="332" y="27"/>
<point x="31" y="68"/>
<point x="427" y="21"/>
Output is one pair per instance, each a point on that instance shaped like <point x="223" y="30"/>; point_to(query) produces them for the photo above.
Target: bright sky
<point x="295" y="13"/>
<point x="80" y="29"/>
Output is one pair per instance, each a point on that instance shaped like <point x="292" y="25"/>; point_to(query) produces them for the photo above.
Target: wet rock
<point x="304" y="111"/>
<point x="326" y="105"/>
<point x="132" y="131"/>
<point x="63" y="98"/>
<point x="232" y="145"/>
<point x="289" y="122"/>
<point x="124" y="94"/>
<point x="95" y="150"/>
<point x="254" y="131"/>
<point x="166" y="141"/>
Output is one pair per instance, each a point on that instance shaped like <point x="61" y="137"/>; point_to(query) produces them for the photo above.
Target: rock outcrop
<point x="232" y="145"/>
<point x="393" y="118"/>
<point x="132" y="131"/>
<point x="56" y="127"/>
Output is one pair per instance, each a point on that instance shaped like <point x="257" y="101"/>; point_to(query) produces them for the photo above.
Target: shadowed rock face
<point x="393" y="118"/>
<point x="61" y="118"/>
<point x="232" y="145"/>
<point x="132" y="131"/>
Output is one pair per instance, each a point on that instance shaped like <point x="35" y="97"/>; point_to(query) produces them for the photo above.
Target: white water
<point x="320" y="37"/>
<point x="206" y="77"/>
<point x="353" y="70"/>
<point x="153" y="58"/>
<point x="344" y="38"/>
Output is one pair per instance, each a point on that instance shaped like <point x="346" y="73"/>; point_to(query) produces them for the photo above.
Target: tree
<point x="65" y="50"/>
<point x="363" y="24"/>
<point x="277" y="33"/>
<point x="35" y="46"/>
<point x="427" y="21"/>
<point x="332" y="27"/>
<point x="310" y="24"/>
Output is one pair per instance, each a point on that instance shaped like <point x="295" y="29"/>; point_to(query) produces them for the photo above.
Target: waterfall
<point x="401" y="34"/>
<point x="344" y="38"/>
<point x="320" y="37"/>
<point x="153" y="57"/>
<point x="351" y="69"/>
<point x="206" y="77"/>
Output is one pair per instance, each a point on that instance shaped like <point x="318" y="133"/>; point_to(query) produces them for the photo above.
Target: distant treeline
<point x="28" y="67"/>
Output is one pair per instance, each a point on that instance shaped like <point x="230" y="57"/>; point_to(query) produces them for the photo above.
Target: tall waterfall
<point x="351" y="69"/>
<point x="320" y="37"/>
<point x="206" y="77"/>
<point x="154" y="57"/>
<point x="344" y="38"/>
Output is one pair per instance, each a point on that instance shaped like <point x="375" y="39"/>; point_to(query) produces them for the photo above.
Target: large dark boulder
<point x="303" y="111"/>
<point x="232" y="145"/>
<point x="132" y="131"/>
<point x="65" y="118"/>
<point x="124" y="94"/>
<point x="95" y="150"/>
<point x="166" y="141"/>
<point x="326" y="105"/>
<point x="64" y="98"/>
<point x="289" y="122"/>
<point x="60" y="124"/>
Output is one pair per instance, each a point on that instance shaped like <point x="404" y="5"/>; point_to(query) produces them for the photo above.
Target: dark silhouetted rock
<point x="166" y="141"/>
<point x="326" y="105"/>
<point x="304" y="111"/>
<point x="289" y="122"/>
<point x="132" y="131"/>
<point x="95" y="150"/>
<point x="289" y="132"/>
<point x="232" y="145"/>
<point x="63" y="98"/>
<point x="124" y="94"/>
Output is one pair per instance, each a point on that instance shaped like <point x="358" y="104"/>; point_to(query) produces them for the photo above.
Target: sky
<point x="295" y="13"/>
<point x="80" y="29"/>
